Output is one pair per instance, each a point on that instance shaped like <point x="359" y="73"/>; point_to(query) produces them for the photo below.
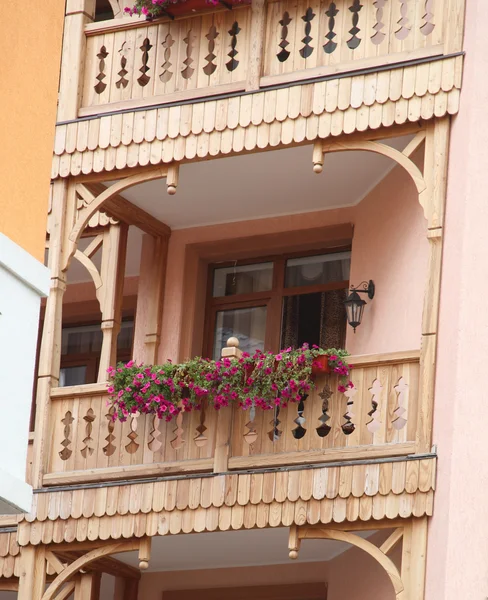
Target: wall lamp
<point x="355" y="304"/>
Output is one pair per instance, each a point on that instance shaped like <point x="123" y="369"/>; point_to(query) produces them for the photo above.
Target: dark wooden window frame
<point x="272" y="299"/>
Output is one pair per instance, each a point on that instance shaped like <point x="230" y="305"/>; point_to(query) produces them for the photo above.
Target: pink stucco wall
<point x="389" y="246"/>
<point x="457" y="558"/>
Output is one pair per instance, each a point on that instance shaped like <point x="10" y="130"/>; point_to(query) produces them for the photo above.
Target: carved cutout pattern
<point x="354" y="41"/>
<point x="233" y="62"/>
<point x="88" y="450"/>
<point x="66" y="452"/>
<point x="200" y="439"/>
<point x="102" y="55"/>
<point x="300" y="430"/>
<point x="251" y="435"/>
<point x="123" y="81"/>
<point x="332" y="13"/>
<point x="379" y="36"/>
<point x="132" y="446"/>
<point x="308" y="17"/>
<point x="178" y="440"/>
<point x="211" y="36"/>
<point x="283" y="54"/>
<point x="375" y="391"/>
<point x="166" y="74"/>
<point x="428" y="26"/>
<point x="400" y="419"/>
<point x="154" y="443"/>
<point x="109" y="449"/>
<point x="404" y="30"/>
<point x="348" y="427"/>
<point x="275" y="433"/>
<point x="188" y="70"/>
<point x="144" y="79"/>
<point x="324" y="429"/>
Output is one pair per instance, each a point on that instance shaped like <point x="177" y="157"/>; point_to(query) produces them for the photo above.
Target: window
<point x="80" y="352"/>
<point x="279" y="302"/>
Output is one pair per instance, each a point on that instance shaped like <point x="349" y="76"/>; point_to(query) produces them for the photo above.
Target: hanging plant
<point x="264" y="380"/>
<point x="153" y="9"/>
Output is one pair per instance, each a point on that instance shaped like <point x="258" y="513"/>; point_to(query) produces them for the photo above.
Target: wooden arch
<point x="379" y="554"/>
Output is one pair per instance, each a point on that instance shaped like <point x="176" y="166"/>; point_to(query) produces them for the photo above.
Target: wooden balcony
<point x="377" y="419"/>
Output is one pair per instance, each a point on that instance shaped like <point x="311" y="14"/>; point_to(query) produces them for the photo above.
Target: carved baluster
<point x="123" y="81"/>
<point x="428" y="26"/>
<point x="275" y="433"/>
<point x="132" y="446"/>
<point x="211" y="36"/>
<point x="379" y="36"/>
<point x="332" y="13"/>
<point x="154" y="443"/>
<point x="354" y="41"/>
<point x="251" y="434"/>
<point x="233" y="62"/>
<point x="375" y="423"/>
<point x="88" y="450"/>
<point x="308" y="17"/>
<point x="283" y="54"/>
<point x="66" y="452"/>
<point x="178" y="440"/>
<point x="400" y="419"/>
<point x="102" y="55"/>
<point x="200" y="439"/>
<point x="144" y="79"/>
<point x="348" y="427"/>
<point x="300" y="430"/>
<point x="188" y="71"/>
<point x="404" y="30"/>
<point x="324" y="429"/>
<point x="166" y="74"/>
<point x="109" y="449"/>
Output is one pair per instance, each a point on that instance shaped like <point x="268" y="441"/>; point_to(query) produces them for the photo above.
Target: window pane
<point x="81" y="340"/>
<point x="72" y="376"/>
<point x="229" y="281"/>
<point x="126" y="334"/>
<point x="317" y="270"/>
<point x="248" y="325"/>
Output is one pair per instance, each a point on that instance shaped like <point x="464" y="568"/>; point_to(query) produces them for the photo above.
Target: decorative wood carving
<point x="144" y="79"/>
<point x="428" y="27"/>
<point x="132" y="446"/>
<point x="123" y="81"/>
<point x="251" y="434"/>
<point x="375" y="391"/>
<point x="348" y="427"/>
<point x="211" y="36"/>
<point x="324" y="428"/>
<point x="109" y="449"/>
<point x="66" y="452"/>
<point x="178" y="440"/>
<point x="154" y="443"/>
<point x="275" y="433"/>
<point x="300" y="430"/>
<point x="188" y="71"/>
<point x="233" y="62"/>
<point x="332" y="13"/>
<point x="379" y="36"/>
<point x="102" y="55"/>
<point x="200" y="439"/>
<point x="404" y="29"/>
<point x="166" y="73"/>
<point x="307" y="49"/>
<point x="354" y="41"/>
<point x="400" y="420"/>
<point x="283" y="54"/>
<point x="87" y="449"/>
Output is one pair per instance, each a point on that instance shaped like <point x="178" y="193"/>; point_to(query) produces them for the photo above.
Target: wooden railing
<point x="377" y="418"/>
<point x="130" y="65"/>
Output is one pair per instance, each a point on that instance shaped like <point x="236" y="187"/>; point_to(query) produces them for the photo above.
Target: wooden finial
<point x="293" y="542"/>
<point x="144" y="553"/>
<point x="232" y="349"/>
<point x="318" y="157"/>
<point x="232" y="342"/>
<point x="172" y="179"/>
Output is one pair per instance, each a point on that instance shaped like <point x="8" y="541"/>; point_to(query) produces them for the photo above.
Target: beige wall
<point x="30" y="47"/>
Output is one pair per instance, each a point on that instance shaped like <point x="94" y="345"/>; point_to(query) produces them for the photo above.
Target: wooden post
<point x="414" y="558"/>
<point x="111" y="293"/>
<point x="78" y="14"/>
<point x="433" y="200"/>
<point x="87" y="586"/>
<point x="32" y="577"/>
<point x="256" y="50"/>
<point x="63" y="208"/>
<point x="150" y="293"/>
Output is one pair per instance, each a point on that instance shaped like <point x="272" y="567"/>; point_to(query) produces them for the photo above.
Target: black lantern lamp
<point x="355" y="304"/>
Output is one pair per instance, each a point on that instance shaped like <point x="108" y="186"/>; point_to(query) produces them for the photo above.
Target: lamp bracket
<point x="365" y="287"/>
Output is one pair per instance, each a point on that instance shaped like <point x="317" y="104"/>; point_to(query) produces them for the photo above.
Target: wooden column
<point x="433" y="201"/>
<point x="414" y="554"/>
<point x="111" y="293"/>
<point x="32" y="577"/>
<point x="87" y="586"/>
<point x="62" y="215"/>
<point x="152" y="273"/>
<point x="78" y="14"/>
<point x="256" y="50"/>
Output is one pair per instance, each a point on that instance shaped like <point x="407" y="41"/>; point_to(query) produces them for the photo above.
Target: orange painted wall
<point x="30" y="50"/>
